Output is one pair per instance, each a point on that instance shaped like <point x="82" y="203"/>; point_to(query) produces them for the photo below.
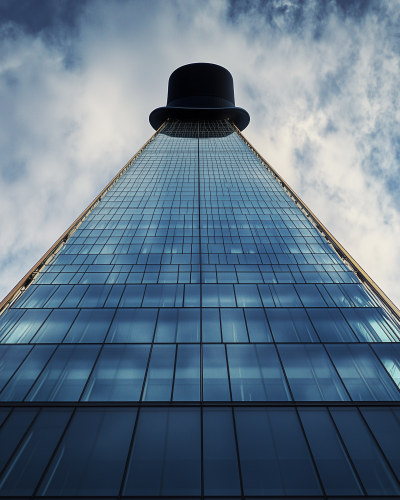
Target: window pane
<point x="365" y="455"/>
<point x="27" y="373"/>
<point x="8" y="319"/>
<point x="56" y="326"/>
<point x="218" y="296"/>
<point x="13" y="430"/>
<point x="362" y="374"/>
<point x="90" y="326"/>
<point x="28" y="464"/>
<point x="331" y="325"/>
<point x="274" y="458"/>
<point x="310" y="296"/>
<point x="257" y="325"/>
<point x="221" y="473"/>
<point x="178" y="325"/>
<point x="385" y="426"/>
<point x="160" y="375"/>
<point x="133" y="326"/>
<point x="389" y="354"/>
<point x="311" y="374"/>
<point x="92" y="455"/>
<point x="11" y="356"/>
<point x="166" y="458"/>
<point x="119" y="374"/>
<point x="187" y="373"/>
<point x="26" y="327"/>
<point x="369" y="325"/>
<point x="95" y="296"/>
<point x="285" y="296"/>
<point x="215" y="374"/>
<point x="65" y="376"/>
<point x="291" y="325"/>
<point x="334" y="467"/>
<point x="256" y="374"/>
<point x="247" y="296"/>
<point x="233" y="326"/>
<point x="211" y="326"/>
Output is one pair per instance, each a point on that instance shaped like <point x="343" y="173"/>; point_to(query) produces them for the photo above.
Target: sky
<point x="320" y="79"/>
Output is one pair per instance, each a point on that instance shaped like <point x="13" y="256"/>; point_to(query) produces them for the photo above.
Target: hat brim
<point x="239" y="116"/>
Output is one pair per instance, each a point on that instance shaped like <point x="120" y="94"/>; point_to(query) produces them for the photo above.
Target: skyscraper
<point x="198" y="333"/>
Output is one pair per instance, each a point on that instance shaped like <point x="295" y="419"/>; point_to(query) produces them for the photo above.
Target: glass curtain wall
<point x="198" y="337"/>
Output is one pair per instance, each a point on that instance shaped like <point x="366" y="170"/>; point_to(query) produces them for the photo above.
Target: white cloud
<point x="324" y="111"/>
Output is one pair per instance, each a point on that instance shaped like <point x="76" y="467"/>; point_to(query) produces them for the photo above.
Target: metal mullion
<point x="39" y="410"/>
<point x="336" y="370"/>
<point x="174" y="374"/>
<point x="383" y="366"/>
<point x="310" y="452"/>
<point x="346" y="451"/>
<point x="128" y="458"/>
<point x="284" y="372"/>
<point x="227" y="369"/>
<point x="54" y="453"/>
<point x="379" y="447"/>
<point x="237" y="452"/>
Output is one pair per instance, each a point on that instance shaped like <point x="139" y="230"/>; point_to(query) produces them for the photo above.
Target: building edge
<point x="23" y="284"/>
<point x="341" y="251"/>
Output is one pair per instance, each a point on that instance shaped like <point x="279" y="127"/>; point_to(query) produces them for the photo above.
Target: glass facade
<point x="198" y="337"/>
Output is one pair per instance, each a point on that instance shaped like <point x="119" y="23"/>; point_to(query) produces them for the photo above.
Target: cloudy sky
<point x="320" y="79"/>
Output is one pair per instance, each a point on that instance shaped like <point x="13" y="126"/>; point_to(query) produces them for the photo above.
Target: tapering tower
<point x="198" y="333"/>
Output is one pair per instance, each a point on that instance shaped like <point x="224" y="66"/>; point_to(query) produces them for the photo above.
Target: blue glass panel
<point x="160" y="374"/>
<point x="358" y="295"/>
<point x="74" y="297"/>
<point x="256" y="374"/>
<point x="362" y="374"/>
<point x="273" y="454"/>
<point x="29" y="463"/>
<point x="56" y="326"/>
<point x="166" y="458"/>
<point x="215" y="374"/>
<point x="333" y="464"/>
<point x="285" y="296"/>
<point x="310" y="296"/>
<point x="218" y="296"/>
<point x="91" y="326"/>
<point x="163" y="296"/>
<point x="23" y="331"/>
<point x="27" y="373"/>
<point x="38" y="297"/>
<point x="369" y="325"/>
<point x="211" y="325"/>
<point x="221" y="472"/>
<point x="257" y="325"/>
<point x="132" y="296"/>
<point x="95" y="296"/>
<point x="118" y="374"/>
<point x="385" y="426"/>
<point x="310" y="373"/>
<point x="13" y="431"/>
<point x="178" y="325"/>
<point x="364" y="453"/>
<point x="233" y="325"/>
<point x="266" y="296"/>
<point x="247" y="296"/>
<point x="338" y="296"/>
<point x="8" y="320"/>
<point x="389" y="354"/>
<point x="133" y="326"/>
<point x="91" y="458"/>
<point x="187" y="373"/>
<point x="331" y="325"/>
<point x="11" y="356"/>
<point x="59" y="296"/>
<point x="291" y="325"/>
<point x="66" y="374"/>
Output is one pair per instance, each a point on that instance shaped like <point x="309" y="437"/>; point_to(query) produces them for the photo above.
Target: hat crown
<point x="200" y="84"/>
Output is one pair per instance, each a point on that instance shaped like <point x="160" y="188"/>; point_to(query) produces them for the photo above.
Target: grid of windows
<point x="197" y="281"/>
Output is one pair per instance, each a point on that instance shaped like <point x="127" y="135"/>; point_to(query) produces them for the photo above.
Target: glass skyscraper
<point x="197" y="333"/>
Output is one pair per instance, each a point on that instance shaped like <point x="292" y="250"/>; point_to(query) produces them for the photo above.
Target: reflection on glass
<point x="178" y="325"/>
<point x="133" y="326"/>
<point x="256" y="374"/>
<point x="160" y="374"/>
<point x="291" y="325"/>
<point x="215" y="374"/>
<point x="310" y="373"/>
<point x="118" y="374"/>
<point x="187" y="373"/>
<point x="91" y="458"/>
<point x="166" y="457"/>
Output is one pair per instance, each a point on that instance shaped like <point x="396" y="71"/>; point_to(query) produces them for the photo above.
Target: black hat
<point x="200" y="91"/>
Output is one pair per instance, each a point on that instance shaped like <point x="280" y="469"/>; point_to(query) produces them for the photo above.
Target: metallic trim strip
<point x="27" y="279"/>
<point x="358" y="270"/>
